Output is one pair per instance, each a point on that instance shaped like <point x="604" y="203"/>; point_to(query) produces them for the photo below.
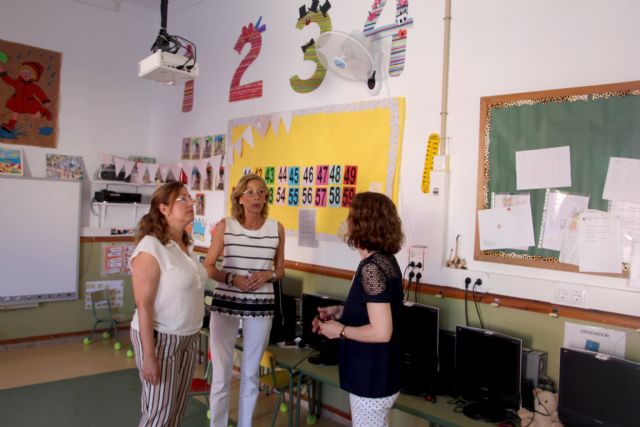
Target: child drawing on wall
<point x="28" y="97"/>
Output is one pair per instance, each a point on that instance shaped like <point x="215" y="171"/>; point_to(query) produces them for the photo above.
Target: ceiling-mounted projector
<point x="168" y="68"/>
<point x="164" y="65"/>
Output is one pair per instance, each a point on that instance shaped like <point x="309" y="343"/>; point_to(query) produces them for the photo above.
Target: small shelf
<point x="134" y="204"/>
<point x="123" y="183"/>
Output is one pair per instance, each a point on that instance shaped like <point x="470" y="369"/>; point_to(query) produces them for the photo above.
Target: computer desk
<point x="287" y="358"/>
<point x="439" y="413"/>
<point x="295" y="361"/>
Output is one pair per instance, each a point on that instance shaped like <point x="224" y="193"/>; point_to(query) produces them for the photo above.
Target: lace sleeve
<point x="374" y="281"/>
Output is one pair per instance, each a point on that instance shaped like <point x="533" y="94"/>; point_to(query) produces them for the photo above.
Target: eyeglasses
<point x="251" y="192"/>
<point x="185" y="199"/>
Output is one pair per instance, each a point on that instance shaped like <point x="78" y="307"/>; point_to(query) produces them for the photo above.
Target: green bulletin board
<point x="596" y="122"/>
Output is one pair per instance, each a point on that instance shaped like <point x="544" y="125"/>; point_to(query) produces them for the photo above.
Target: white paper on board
<point x="543" y="168"/>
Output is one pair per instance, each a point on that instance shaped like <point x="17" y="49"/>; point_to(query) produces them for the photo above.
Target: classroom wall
<point x="104" y="106"/>
<point x="497" y="47"/>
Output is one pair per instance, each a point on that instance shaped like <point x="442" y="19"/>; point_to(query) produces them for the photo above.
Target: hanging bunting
<point x="119" y="162"/>
<point x="287" y="116"/>
<point x="163" y="170"/>
<point x="247" y="136"/>
<point x="152" y="169"/>
<point x="128" y="167"/>
<point x="275" y="123"/>
<point x="107" y="159"/>
<point x="261" y="125"/>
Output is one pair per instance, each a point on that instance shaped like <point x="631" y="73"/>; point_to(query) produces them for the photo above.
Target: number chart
<point x="327" y="156"/>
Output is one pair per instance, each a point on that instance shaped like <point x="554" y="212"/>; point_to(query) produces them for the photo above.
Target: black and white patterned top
<point x="246" y="251"/>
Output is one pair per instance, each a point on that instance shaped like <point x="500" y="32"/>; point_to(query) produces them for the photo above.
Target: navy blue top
<point x="372" y="369"/>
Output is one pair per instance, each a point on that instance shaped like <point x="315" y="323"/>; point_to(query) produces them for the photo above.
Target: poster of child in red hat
<point x="29" y="94"/>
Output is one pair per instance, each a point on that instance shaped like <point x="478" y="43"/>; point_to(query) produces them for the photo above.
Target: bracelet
<point x="273" y="276"/>
<point x="343" y="335"/>
<point x="228" y="279"/>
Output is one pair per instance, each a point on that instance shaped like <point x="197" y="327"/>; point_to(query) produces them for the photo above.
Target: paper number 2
<point x="253" y="36"/>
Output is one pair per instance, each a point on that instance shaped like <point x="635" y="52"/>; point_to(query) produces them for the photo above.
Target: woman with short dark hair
<point x="367" y="324"/>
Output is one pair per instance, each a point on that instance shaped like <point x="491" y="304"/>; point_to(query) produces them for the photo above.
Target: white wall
<point x="497" y="47"/>
<point x="103" y="104"/>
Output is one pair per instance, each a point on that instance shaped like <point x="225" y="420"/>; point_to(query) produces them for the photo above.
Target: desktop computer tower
<point x="418" y="339"/>
<point x="283" y="326"/>
<point x="447" y="362"/>
<point x="534" y="365"/>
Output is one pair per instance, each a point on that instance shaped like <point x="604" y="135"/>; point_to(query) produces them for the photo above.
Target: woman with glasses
<point x="168" y="286"/>
<point x="253" y="248"/>
<point x="367" y="324"/>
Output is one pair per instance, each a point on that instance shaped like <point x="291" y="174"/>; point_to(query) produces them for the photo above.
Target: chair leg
<point x="93" y="331"/>
<point x="276" y="409"/>
<point x="114" y="326"/>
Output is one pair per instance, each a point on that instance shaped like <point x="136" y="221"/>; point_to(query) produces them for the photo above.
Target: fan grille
<point x="345" y="55"/>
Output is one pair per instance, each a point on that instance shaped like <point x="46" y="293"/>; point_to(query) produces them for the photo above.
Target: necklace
<point x="253" y="227"/>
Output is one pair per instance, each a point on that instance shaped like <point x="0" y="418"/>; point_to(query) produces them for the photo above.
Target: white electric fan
<point x="350" y="57"/>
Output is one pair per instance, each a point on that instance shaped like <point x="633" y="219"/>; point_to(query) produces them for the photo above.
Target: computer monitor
<point x="488" y="373"/>
<point x="418" y="330"/>
<point x="328" y="349"/>
<point x="598" y="390"/>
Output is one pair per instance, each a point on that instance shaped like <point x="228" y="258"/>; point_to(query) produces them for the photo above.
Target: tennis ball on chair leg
<point x="311" y="419"/>
<point x="86" y="340"/>
<point x="106" y="335"/>
<point x="129" y="353"/>
<point x="117" y="346"/>
<point x="284" y="407"/>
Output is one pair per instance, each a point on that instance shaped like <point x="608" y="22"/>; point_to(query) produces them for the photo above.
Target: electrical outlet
<point x="479" y="279"/>
<point x="570" y="294"/>
<point x="418" y="255"/>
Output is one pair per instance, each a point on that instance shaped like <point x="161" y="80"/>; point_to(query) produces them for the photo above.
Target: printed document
<point x="600" y="245"/>
<point x="544" y="168"/>
<point x="623" y="180"/>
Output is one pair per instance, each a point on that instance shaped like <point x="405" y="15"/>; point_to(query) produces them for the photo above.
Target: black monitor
<point x="488" y="372"/>
<point x="328" y="349"/>
<point x="596" y="389"/>
<point x="418" y="336"/>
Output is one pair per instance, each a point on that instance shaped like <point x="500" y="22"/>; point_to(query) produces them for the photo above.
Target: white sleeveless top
<point x="246" y="251"/>
<point x="179" y="304"/>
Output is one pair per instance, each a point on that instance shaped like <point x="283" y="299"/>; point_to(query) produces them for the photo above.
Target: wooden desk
<point x="440" y="413"/>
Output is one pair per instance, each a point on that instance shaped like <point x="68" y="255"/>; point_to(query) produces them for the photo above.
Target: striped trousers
<point x="163" y="405"/>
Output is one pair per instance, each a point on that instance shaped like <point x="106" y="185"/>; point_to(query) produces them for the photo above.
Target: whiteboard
<point x="40" y="244"/>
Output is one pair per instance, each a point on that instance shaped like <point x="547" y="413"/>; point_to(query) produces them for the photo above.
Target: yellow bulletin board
<point x="318" y="158"/>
